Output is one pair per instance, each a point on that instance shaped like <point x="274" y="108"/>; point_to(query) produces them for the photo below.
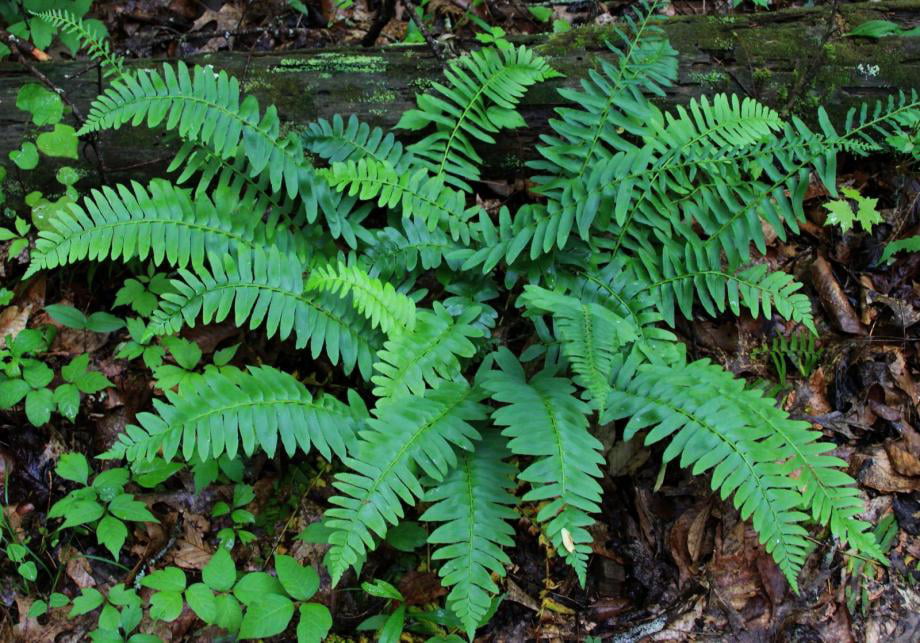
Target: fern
<point x="715" y="424"/>
<point x="91" y="36"/>
<point x="160" y="222"/>
<point x="474" y="503"/>
<point x="337" y="142"/>
<point x="232" y="411"/>
<point x="428" y="355"/>
<point x="394" y="312"/>
<point x="205" y="107"/>
<point x="909" y="244"/>
<point x="417" y="194"/>
<point x="402" y="439"/>
<point x="267" y="288"/>
<point x="545" y="420"/>
<point x="483" y="90"/>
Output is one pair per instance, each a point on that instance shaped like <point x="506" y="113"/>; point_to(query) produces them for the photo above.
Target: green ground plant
<point x="376" y="257"/>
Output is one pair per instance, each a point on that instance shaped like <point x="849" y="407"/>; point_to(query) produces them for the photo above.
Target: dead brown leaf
<point x="874" y="469"/>
<point x="13" y="321"/>
<point x="833" y="298"/>
<point x="420" y="588"/>
<point x="77" y="567"/>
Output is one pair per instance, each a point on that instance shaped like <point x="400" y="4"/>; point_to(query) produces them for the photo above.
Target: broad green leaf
<point x="45" y="106"/>
<point x="127" y="508"/>
<point x="254" y="585"/>
<point x="165" y="606"/>
<point x="88" y="600"/>
<point x="26" y="157"/>
<point x="168" y="579"/>
<point x="201" y="599"/>
<point x="74" y="467"/>
<point x="111" y="534"/>
<point x="392" y="630"/>
<point x="37" y="374"/>
<point x="39" y="405"/>
<point x="220" y="572"/>
<point x="67" y="316"/>
<point x="315" y="623"/>
<point x="67" y="400"/>
<point x="267" y="617"/>
<point x="61" y="142"/>
<point x="298" y="581"/>
<point x="111" y="483"/>
<point x="82" y="512"/>
<point x="12" y="392"/>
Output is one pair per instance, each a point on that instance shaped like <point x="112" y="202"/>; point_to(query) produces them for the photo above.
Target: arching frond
<point x="545" y="420"/>
<point x="338" y="141"/>
<point x="405" y="438"/>
<point x="233" y="411"/>
<point x="428" y="355"/>
<point x="267" y="288"/>
<point x="475" y="504"/>
<point x="483" y="89"/>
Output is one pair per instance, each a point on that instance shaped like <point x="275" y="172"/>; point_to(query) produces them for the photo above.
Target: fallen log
<point x="793" y="59"/>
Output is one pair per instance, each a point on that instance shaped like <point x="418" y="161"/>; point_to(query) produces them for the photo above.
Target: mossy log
<point x="784" y="58"/>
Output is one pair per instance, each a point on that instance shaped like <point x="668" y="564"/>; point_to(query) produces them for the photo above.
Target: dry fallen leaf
<point x="13" y="320"/>
<point x="833" y="298"/>
<point x="874" y="469"/>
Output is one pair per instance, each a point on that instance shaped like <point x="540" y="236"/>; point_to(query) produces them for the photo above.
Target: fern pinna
<point x="641" y="216"/>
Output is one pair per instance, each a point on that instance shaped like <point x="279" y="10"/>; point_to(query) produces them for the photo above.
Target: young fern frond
<point x="484" y="88"/>
<point x="205" y="107"/>
<point x="708" y="431"/>
<point x="475" y="504"/>
<point x="378" y="301"/>
<point x="337" y="142"/>
<point x="407" y="437"/>
<point x="417" y="194"/>
<point x="267" y="288"/>
<point x="428" y="355"/>
<point x="545" y="420"/>
<point x="232" y="411"/>
<point x="160" y="222"/>
<point x="91" y="36"/>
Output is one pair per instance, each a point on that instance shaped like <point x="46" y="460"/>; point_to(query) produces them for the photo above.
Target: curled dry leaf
<point x="13" y="320"/>
<point x="874" y="469"/>
<point x="833" y="298"/>
<point x="77" y="567"/>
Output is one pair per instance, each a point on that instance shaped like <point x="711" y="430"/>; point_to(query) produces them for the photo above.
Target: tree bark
<point x="793" y="59"/>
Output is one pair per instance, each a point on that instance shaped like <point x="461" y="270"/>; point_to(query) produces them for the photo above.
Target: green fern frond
<point x="233" y="411"/>
<point x="406" y="437"/>
<point x="204" y="106"/>
<point x="709" y="431"/>
<point x="401" y="251"/>
<point x="266" y="287"/>
<point x="755" y="288"/>
<point x="910" y="244"/>
<point x="337" y="142"/>
<point x="417" y="194"/>
<point x="161" y="222"/>
<point x="428" y="355"/>
<point x="92" y="37"/>
<point x="393" y="311"/>
<point x="545" y="420"/>
<point x="475" y="504"/>
<point x="483" y="89"/>
<point x="591" y="336"/>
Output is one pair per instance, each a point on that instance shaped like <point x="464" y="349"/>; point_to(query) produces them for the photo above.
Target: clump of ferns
<point x="643" y="215"/>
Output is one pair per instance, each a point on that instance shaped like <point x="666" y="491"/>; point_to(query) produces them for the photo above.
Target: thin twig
<point x="440" y="52"/>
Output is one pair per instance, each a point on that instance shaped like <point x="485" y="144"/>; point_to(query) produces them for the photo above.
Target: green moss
<point x="711" y="79"/>
<point x="332" y="63"/>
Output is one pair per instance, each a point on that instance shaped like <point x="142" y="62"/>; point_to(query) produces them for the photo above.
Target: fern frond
<point x="755" y="288"/>
<point x="92" y="37"/>
<point x="161" y="222"/>
<point x="910" y="244"/>
<point x="475" y="504"/>
<point x="393" y="311"/>
<point x="417" y="194"/>
<point x="407" y="437"/>
<point x="483" y="89"/>
<point x="337" y="142"/>
<point x="545" y="420"/>
<point x="428" y="355"/>
<point x="709" y="431"/>
<point x="591" y="336"/>
<point x="400" y="251"/>
<point x="204" y="106"/>
<point x="266" y="287"/>
<point x="233" y="411"/>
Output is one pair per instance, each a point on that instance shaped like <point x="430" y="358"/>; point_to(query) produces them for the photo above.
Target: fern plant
<point x="641" y="216"/>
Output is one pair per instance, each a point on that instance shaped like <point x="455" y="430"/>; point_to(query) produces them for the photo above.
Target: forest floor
<point x="672" y="560"/>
